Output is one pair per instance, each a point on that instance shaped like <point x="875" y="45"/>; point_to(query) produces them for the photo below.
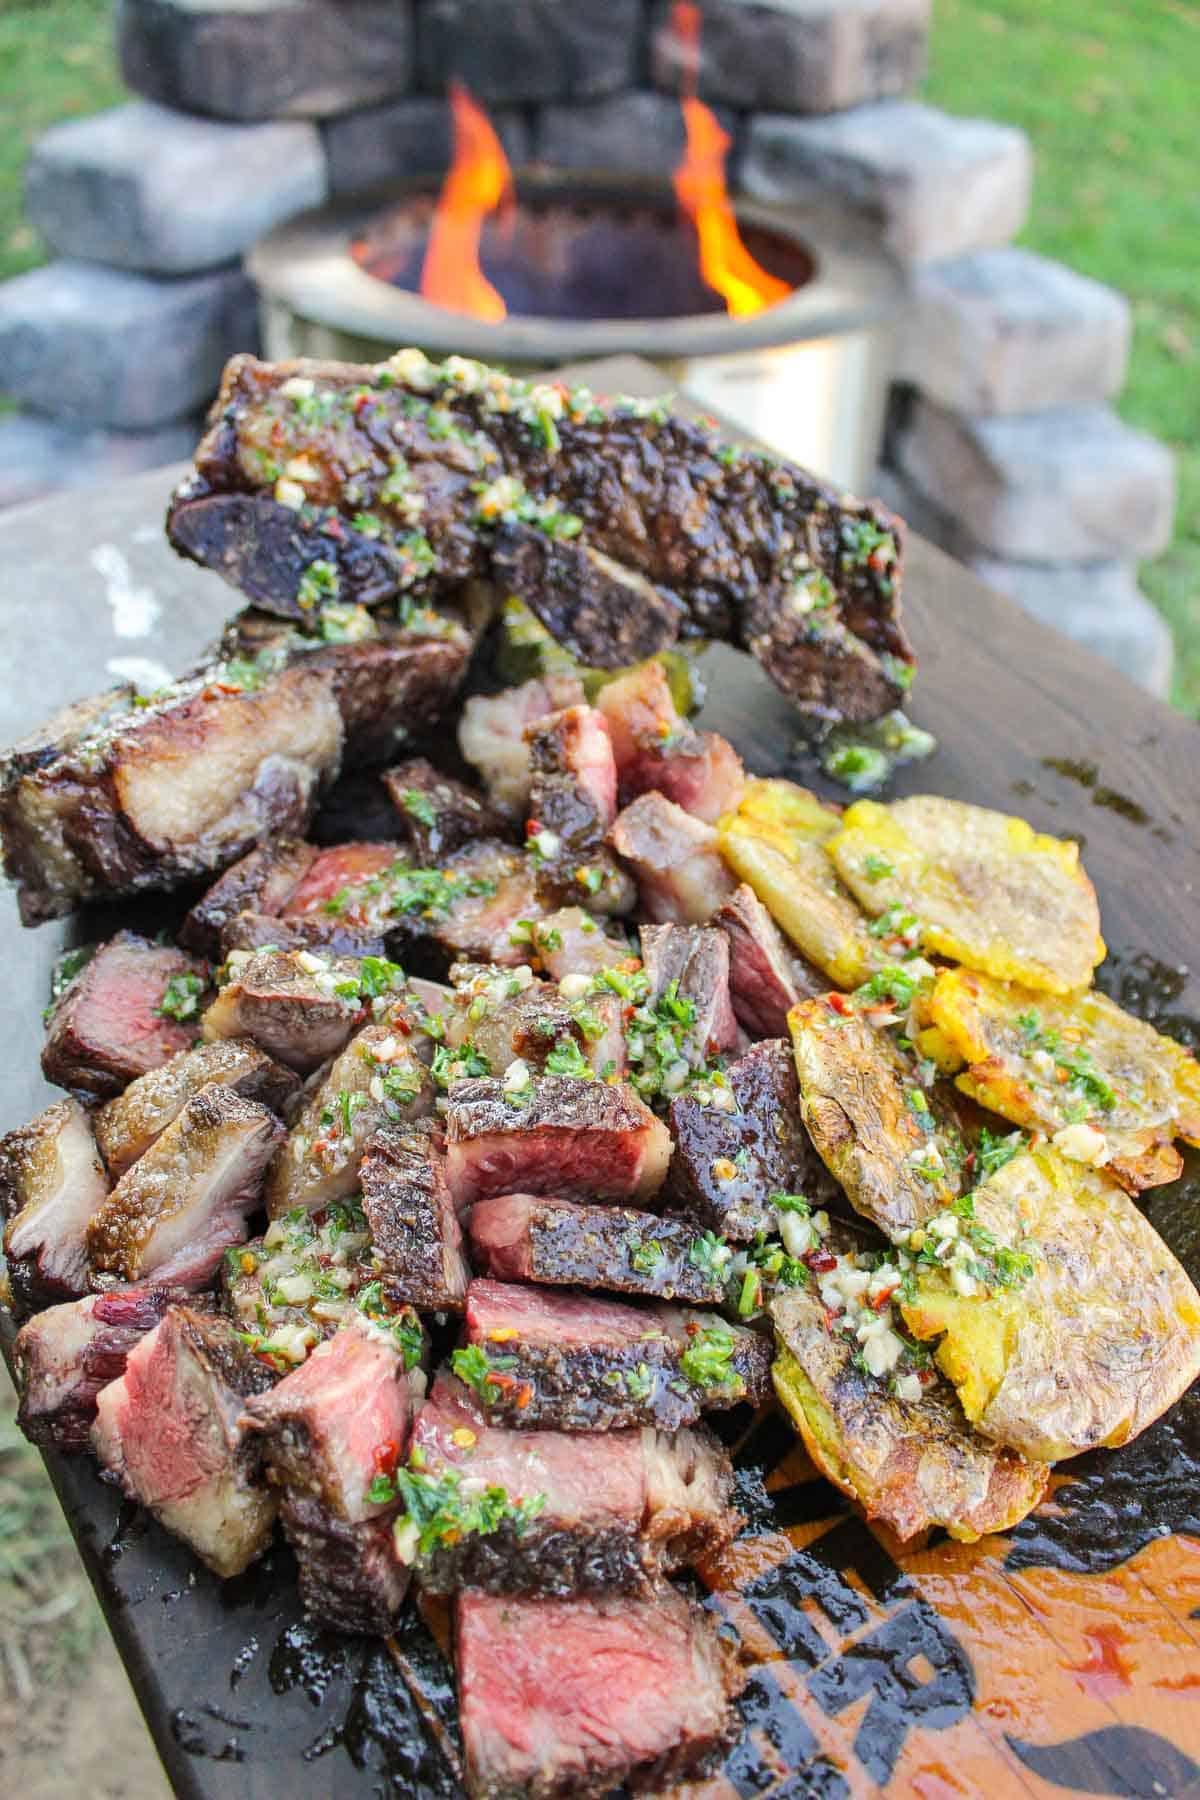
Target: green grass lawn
<point x="1106" y="89"/>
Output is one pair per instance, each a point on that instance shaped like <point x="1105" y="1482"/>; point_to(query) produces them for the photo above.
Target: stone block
<point x="1071" y="485"/>
<point x="39" y="456"/>
<point x="143" y="187"/>
<point x="406" y="138"/>
<point x="103" y="347"/>
<point x="519" y="52"/>
<point x="1097" y="604"/>
<point x="640" y="132"/>
<point x="939" y="185"/>
<point x="1005" y="331"/>
<point x="266" y="59"/>
<point x="796" y="56"/>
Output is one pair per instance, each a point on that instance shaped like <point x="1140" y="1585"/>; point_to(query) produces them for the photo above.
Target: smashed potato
<point x="911" y="1463"/>
<point x="1086" y="1328"/>
<point x="987" y="889"/>
<point x="1054" y="1065"/>
<point x="774" y="843"/>
<point x="894" y="1145"/>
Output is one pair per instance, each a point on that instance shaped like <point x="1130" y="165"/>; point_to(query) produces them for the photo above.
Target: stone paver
<point x="1005" y="331"/>
<point x="940" y="185"/>
<point x="1097" y="604"/>
<point x="103" y="347"/>
<point x="144" y="187"/>
<point x="1071" y="485"/>
<point x="266" y="59"/>
<point x="406" y="138"/>
<point x="806" y="56"/>
<point x="516" y="52"/>
<point x="39" y="455"/>
<point x="639" y="132"/>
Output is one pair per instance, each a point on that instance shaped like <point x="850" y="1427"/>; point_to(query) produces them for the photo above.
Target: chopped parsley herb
<point x="458" y="1065"/>
<point x="790" y="1203"/>
<point x="646" y="1255"/>
<point x="440" y="1514"/>
<point x="877" y="868"/>
<point x="181" y="997"/>
<point x="420" y="807"/>
<point x="402" y="1086"/>
<point x="707" y="1360"/>
<point x="566" y="1058"/>
<point x="893" y="983"/>
<point x="859" y="767"/>
<point x="318" y="583"/>
<point x="65" y="969"/>
<point x="993" y="1151"/>
<point x="478" y="1370"/>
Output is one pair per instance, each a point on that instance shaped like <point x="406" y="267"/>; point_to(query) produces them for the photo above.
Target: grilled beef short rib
<point x="572" y="804"/>
<point x="414" y="1225"/>
<point x="127" y="1126"/>
<point x="657" y="749"/>
<point x="52" y="1184"/>
<point x="767" y="977"/>
<point x="299" y="1006"/>
<point x="674" y="859"/>
<point x="574" y="1362"/>
<point x="692" y="961"/>
<point x="106" y="1027"/>
<point x="557" y="1243"/>
<point x="436" y="814"/>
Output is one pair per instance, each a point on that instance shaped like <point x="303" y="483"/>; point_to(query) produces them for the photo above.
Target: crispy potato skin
<point x="912" y="1465"/>
<point x="1155" y="1081"/>
<point x="854" y="1084"/>
<point x="989" y="890"/>
<point x="1095" y="1346"/>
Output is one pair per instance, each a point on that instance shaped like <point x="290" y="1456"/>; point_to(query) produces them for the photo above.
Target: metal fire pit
<point x="808" y="375"/>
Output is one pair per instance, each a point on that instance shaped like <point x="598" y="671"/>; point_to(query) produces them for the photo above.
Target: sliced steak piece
<point x="675" y="861"/>
<point x="376" y="1080"/>
<point x="569" y="941"/>
<point x="333" y="875"/>
<point x="691" y="963"/>
<point x="657" y="749"/>
<point x="436" y="814"/>
<point x="559" y="1135"/>
<point x="169" y="792"/>
<point x="601" y="612"/>
<point x="261" y="882"/>
<point x="576" y="1697"/>
<point x="169" y="1432"/>
<point x="499" y="1016"/>
<point x="755" y="550"/>
<point x="173" y="1214"/>
<point x="414" y="1226"/>
<point x="521" y="1237"/>
<point x="302" y="1280"/>
<point x="498" y="887"/>
<point x="127" y="1126"/>
<point x="572" y="804"/>
<point x="766" y="976"/>
<point x="52" y="1183"/>
<point x="323" y="935"/>
<point x="107" y="1027"/>
<point x="66" y="1354"/>
<point x="300" y="1006"/>
<point x="491" y="735"/>
<point x="577" y="1363"/>
<point x="727" y="1164"/>
<point x="393" y="686"/>
<point x="329" y="1430"/>
<point x="613" y="1509"/>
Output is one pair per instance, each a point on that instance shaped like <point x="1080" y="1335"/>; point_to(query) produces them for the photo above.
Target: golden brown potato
<point x="987" y="889"/>
<point x="1085" y="1328"/>
<point x="894" y="1145"/>
<point x="911" y="1463"/>
<point x="1053" y="1065"/>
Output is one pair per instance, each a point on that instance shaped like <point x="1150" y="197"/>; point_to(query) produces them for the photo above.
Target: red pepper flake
<point x="884" y="1299"/>
<point x="333" y="528"/>
<point x="819" y="1261"/>
<point x="532" y="828"/>
<point x="386" y="1456"/>
<point x="524" y="1396"/>
<point x="838" y="1003"/>
<point x="361" y="401"/>
<point x="969" y="1164"/>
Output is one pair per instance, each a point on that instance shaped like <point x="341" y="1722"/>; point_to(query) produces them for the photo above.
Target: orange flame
<point x="478" y="181"/>
<point x="725" y="262"/>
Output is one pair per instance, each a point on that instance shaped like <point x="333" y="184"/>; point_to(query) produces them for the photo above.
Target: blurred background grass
<point x="1106" y="89"/>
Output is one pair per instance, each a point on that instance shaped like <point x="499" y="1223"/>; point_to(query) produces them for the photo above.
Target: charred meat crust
<point x="130" y="1124"/>
<point x="436" y="813"/>
<point x="52" y="1182"/>
<point x="260" y="883"/>
<point x="603" y="613"/>
<point x="572" y="803"/>
<point x="726" y="1166"/>
<point x="288" y="1009"/>
<point x="348" y="1573"/>
<point x="106" y="1028"/>
<point x="737" y="538"/>
<point x="414" y="1225"/>
<point x="767" y="977"/>
<point x="518" y="1237"/>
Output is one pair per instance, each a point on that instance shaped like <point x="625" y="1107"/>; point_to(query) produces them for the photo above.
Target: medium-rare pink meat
<point x="436" y="814"/>
<point x="329" y="1431"/>
<point x="127" y="1126"/>
<point x="66" y="1354"/>
<point x="175" y="1212"/>
<point x="691" y="963"/>
<point x="575" y="1697"/>
<point x="131" y="1007"/>
<point x="170" y="1433"/>
<point x="259" y="883"/>
<point x="414" y="1225"/>
<point x="569" y="941"/>
<point x="561" y="1134"/>
<point x="728" y="1163"/>
<point x="334" y="873"/>
<point x="491" y="734"/>
<point x="586" y="1510"/>
<point x="681" y="878"/>
<point x="52" y="1183"/>
<point x="572" y="804"/>
<point x="377" y="1080"/>
<point x="766" y="975"/>
<point x="557" y="1243"/>
<point x="656" y="747"/>
<point x="573" y="1362"/>
<point x="300" y="1006"/>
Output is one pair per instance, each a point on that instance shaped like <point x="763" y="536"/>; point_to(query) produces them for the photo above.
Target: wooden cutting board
<point x="1064" y="1658"/>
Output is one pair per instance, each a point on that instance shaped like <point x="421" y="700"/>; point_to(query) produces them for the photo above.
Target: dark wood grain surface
<point x="241" y="1701"/>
